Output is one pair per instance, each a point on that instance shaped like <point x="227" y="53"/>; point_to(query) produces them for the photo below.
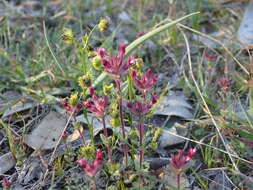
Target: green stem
<point x="89" y="126"/>
<point x="125" y="148"/>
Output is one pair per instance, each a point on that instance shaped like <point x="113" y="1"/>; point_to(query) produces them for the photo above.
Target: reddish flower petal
<point x="101" y="52"/>
<point x="148" y="73"/>
<point x="122" y="48"/>
<point x="92" y="91"/>
<point x="134" y="74"/>
<point x="129" y="104"/>
<point x="139" y="108"/>
<point x="82" y="162"/>
<point x="130" y="61"/>
<point x="145" y="83"/>
<point x="153" y="100"/>
<point x="191" y="153"/>
<point x="106" y="63"/>
<point x="79" y="106"/>
<point x="115" y="66"/>
<point x="92" y="168"/>
<point x="98" y="105"/>
<point x="6" y="183"/>
<point x="179" y="160"/>
<point x="88" y="103"/>
<point x="99" y="156"/>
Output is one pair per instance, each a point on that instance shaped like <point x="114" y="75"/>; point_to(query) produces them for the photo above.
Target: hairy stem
<point x="121" y="117"/>
<point x="94" y="185"/>
<point x="178" y="181"/>
<point x="141" y="131"/>
<point x="106" y="135"/>
<point x="125" y="148"/>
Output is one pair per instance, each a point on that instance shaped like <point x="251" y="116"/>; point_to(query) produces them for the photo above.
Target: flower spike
<point x="145" y="83"/>
<point x="139" y="108"/>
<point x="98" y="106"/>
<point x="6" y="183"/>
<point x="115" y="65"/>
<point x="92" y="168"/>
<point x="180" y="160"/>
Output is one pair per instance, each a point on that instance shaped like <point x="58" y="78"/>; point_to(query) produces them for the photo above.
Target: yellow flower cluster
<point x="73" y="100"/>
<point x="103" y="25"/>
<point x="85" y="81"/>
<point x="67" y="36"/>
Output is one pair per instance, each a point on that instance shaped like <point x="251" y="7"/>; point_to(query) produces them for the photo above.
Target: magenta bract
<point x="92" y="168"/>
<point x="97" y="105"/>
<point x="71" y="110"/>
<point x="6" y="183"/>
<point x="139" y="108"/>
<point x="179" y="160"/>
<point x="145" y="83"/>
<point x="115" y="65"/>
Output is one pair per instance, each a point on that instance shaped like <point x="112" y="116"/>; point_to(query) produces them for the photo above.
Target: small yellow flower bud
<point x="96" y="62"/>
<point x="67" y="36"/>
<point x="84" y="81"/>
<point x="88" y="151"/>
<point x="85" y="38"/>
<point x="140" y="74"/>
<point x="103" y="25"/>
<point x="115" y="122"/>
<point x="107" y="89"/>
<point x="114" y="113"/>
<point x="157" y="133"/>
<point x="90" y="53"/>
<point x="154" y="145"/>
<point x="138" y="65"/>
<point x="134" y="134"/>
<point x="73" y="100"/>
<point x="113" y="166"/>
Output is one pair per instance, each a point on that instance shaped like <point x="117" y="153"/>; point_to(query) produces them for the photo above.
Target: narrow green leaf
<point x="131" y="47"/>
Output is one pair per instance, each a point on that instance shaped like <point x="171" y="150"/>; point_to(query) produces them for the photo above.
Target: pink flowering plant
<point x="179" y="162"/>
<point x="128" y="105"/>
<point x="6" y="184"/>
<point x="98" y="107"/>
<point x="140" y="109"/>
<point x="91" y="169"/>
<point x="116" y="67"/>
<point x="145" y="83"/>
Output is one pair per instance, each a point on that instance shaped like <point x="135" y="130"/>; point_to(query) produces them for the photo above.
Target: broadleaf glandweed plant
<point x="117" y="67"/>
<point x="106" y="102"/>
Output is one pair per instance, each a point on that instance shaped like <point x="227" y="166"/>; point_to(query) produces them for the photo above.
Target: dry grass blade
<point x="213" y="147"/>
<point x="57" y="144"/>
<point x="204" y="102"/>
<point x="218" y="42"/>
